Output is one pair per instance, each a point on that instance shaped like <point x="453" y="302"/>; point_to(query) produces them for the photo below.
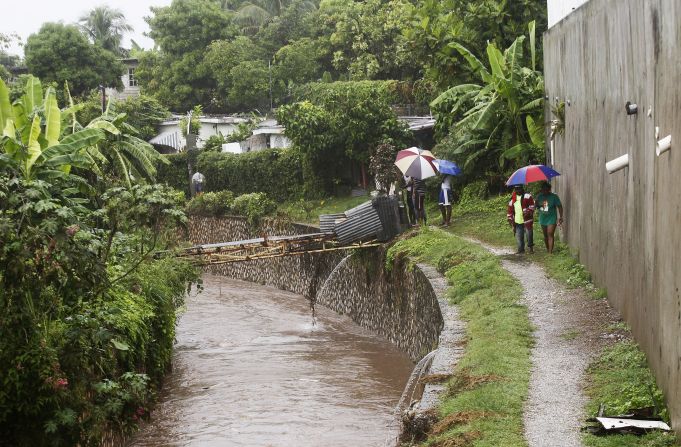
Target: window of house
<point x="132" y="80"/>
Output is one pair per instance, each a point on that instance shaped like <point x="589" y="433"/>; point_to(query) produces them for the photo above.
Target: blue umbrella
<point x="532" y="173"/>
<point x="447" y="167"/>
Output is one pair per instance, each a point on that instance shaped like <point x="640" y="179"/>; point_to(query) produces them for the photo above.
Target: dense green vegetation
<point x="344" y="125"/>
<point x="483" y="405"/>
<point x="501" y="118"/>
<point x="87" y="316"/>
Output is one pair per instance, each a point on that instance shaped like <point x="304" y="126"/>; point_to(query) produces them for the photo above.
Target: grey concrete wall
<point x="399" y="304"/>
<point x="624" y="225"/>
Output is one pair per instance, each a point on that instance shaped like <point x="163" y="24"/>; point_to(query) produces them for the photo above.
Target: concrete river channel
<point x="253" y="368"/>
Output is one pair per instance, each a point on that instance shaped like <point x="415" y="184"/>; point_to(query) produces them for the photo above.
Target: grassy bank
<point x="621" y="380"/>
<point x="484" y="402"/>
<point x="308" y="211"/>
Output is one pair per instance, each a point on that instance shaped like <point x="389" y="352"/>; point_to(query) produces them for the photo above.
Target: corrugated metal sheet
<point x="359" y="209"/>
<point x="388" y="211"/>
<point x="327" y="222"/>
<point x="363" y="223"/>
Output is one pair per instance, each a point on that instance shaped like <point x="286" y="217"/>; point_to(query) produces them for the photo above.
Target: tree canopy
<point x="59" y="53"/>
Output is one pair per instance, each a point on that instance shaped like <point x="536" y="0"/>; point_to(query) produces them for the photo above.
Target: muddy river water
<point x="251" y="368"/>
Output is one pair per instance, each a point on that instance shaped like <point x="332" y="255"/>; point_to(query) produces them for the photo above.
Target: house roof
<point x="418" y="122"/>
<point x="170" y="139"/>
<point x="208" y="119"/>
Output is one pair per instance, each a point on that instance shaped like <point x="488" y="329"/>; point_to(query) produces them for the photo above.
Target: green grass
<point x="490" y="382"/>
<point x="308" y="211"/>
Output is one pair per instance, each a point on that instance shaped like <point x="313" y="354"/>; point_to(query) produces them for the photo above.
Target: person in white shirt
<point x="198" y="180"/>
<point x="445" y="200"/>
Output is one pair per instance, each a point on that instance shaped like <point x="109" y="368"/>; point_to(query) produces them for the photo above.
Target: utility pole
<point x="191" y="149"/>
<point x="103" y="90"/>
<point x="269" y="68"/>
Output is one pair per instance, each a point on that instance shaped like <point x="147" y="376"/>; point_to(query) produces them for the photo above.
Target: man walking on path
<point x="521" y="217"/>
<point x="548" y="203"/>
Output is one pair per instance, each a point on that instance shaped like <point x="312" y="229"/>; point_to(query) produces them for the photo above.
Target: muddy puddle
<point x="251" y="369"/>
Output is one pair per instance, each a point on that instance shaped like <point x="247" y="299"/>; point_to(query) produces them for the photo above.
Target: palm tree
<point x="105" y="26"/>
<point x="253" y="14"/>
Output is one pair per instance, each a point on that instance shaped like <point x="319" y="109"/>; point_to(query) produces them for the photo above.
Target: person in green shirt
<point x="547" y="203"/>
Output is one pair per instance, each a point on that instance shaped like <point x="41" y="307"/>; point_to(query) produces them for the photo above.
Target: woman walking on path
<point x="445" y="200"/>
<point x="547" y="203"/>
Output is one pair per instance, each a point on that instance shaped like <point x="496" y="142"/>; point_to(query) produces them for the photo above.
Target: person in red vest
<point x="520" y="216"/>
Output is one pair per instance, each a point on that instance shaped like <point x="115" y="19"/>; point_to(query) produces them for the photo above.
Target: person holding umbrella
<point x="448" y="169"/>
<point x="419" y="165"/>
<point x="520" y="216"/>
<point x="548" y="203"/>
<point x="521" y="207"/>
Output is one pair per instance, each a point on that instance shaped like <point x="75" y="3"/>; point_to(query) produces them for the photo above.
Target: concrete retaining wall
<point x="624" y="225"/>
<point x="399" y="305"/>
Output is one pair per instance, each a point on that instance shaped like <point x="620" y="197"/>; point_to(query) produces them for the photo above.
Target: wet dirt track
<point x="251" y="369"/>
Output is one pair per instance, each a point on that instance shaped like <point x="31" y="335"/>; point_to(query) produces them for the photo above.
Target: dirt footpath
<point x="570" y="330"/>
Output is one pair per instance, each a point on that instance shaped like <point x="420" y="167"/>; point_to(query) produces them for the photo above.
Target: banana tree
<point x="501" y="118"/>
<point x="31" y="143"/>
<point x="121" y="154"/>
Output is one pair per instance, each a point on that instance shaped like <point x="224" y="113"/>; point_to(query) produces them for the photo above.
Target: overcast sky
<point x="25" y="19"/>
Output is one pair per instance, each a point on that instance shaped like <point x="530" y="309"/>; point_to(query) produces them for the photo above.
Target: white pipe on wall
<point x="617" y="164"/>
<point x="663" y="145"/>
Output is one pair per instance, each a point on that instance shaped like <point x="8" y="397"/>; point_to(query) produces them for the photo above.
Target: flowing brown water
<point x="251" y="369"/>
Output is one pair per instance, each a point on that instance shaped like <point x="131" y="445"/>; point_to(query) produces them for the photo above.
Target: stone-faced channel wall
<point x="399" y="304"/>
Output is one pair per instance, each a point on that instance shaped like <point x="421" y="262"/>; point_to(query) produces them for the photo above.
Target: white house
<point x="268" y="134"/>
<point x="559" y="9"/>
<point x="129" y="80"/>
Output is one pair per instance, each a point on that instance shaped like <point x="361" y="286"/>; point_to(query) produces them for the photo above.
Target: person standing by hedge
<point x="198" y="180"/>
<point x="548" y="203"/>
<point x="420" y="200"/>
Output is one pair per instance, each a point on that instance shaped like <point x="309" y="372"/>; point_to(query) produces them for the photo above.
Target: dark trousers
<point x="420" y="205"/>
<point x="410" y="209"/>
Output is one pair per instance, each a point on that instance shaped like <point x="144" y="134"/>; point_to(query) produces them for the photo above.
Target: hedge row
<point x="276" y="172"/>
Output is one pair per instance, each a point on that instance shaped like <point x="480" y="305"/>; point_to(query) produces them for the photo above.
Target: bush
<point x="175" y="172"/>
<point x="214" y="143"/>
<point x="211" y="204"/>
<point x="277" y="172"/>
<point x="474" y="192"/>
<point x="254" y="206"/>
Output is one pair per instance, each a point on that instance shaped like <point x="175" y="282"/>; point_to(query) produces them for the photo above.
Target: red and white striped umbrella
<point x="416" y="163"/>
